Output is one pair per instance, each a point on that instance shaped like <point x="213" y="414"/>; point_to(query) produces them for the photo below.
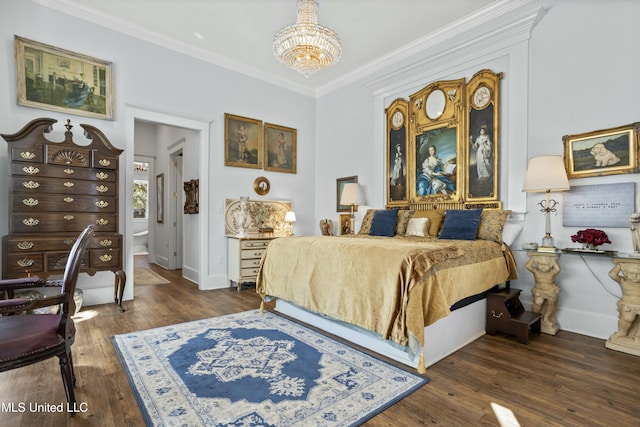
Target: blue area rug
<point x="248" y="369"/>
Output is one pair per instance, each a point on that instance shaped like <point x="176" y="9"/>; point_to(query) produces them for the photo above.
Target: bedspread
<point x="392" y="286"/>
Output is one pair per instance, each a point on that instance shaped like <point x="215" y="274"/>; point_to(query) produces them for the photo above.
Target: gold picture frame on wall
<point x="436" y="143"/>
<point x="55" y="79"/>
<point x="396" y="152"/>
<point x="280" y="145"/>
<point x="242" y="142"/>
<point x="602" y="152"/>
<point x="483" y="112"/>
<point x="340" y="182"/>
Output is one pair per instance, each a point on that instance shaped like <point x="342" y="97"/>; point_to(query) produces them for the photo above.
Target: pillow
<point x="511" y="231"/>
<point x="491" y="224"/>
<point x="435" y="219"/>
<point x="460" y="225"/>
<point x="404" y="216"/>
<point x="366" y="222"/>
<point x="418" y="227"/>
<point x="384" y="223"/>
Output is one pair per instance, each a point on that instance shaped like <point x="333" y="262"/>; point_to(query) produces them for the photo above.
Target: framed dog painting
<point x="603" y="152"/>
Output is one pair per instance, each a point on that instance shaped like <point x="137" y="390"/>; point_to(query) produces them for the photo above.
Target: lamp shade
<point x="545" y="173"/>
<point x="352" y="194"/>
<point x="290" y="217"/>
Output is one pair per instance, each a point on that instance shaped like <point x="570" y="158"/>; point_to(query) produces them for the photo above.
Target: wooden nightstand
<point x="244" y="258"/>
<point x="505" y="313"/>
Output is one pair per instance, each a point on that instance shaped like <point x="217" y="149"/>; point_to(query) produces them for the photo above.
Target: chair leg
<point x="73" y="373"/>
<point x="66" y="370"/>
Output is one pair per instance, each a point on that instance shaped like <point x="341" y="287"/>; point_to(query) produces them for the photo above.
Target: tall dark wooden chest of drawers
<point x="55" y="190"/>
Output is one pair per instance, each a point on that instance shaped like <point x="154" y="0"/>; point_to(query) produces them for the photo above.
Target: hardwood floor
<point x="562" y="380"/>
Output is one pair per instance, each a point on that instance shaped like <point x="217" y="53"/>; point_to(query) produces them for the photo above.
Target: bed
<point x="391" y="292"/>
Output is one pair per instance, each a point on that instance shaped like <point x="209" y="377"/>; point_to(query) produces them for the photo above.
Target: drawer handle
<point x="257" y="254"/>
<point x="102" y="204"/>
<point x="27" y="155"/>
<point x="68" y="199"/>
<point x="25" y="245"/>
<point x="497" y="316"/>
<point x="102" y="188"/>
<point x="68" y="241"/>
<point x="30" y="202"/>
<point x="104" y="162"/>
<point x="30" y="170"/>
<point x="68" y="171"/>
<point x="102" y="175"/>
<point x="68" y="184"/>
<point x="25" y="262"/>
<point x="31" y="185"/>
<point x="105" y="257"/>
<point x="106" y="243"/>
<point x="68" y="217"/>
<point x="102" y="221"/>
<point x="31" y="222"/>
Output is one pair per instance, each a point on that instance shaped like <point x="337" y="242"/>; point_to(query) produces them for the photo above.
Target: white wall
<point x="574" y="72"/>
<point x="152" y="78"/>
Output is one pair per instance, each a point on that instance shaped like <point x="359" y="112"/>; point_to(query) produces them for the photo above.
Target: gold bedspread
<point x="393" y="286"/>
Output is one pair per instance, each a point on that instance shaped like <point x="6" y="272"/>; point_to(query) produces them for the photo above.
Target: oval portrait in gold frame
<point x="261" y="185"/>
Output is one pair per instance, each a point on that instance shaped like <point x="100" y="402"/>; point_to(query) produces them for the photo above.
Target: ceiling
<point x="238" y="34"/>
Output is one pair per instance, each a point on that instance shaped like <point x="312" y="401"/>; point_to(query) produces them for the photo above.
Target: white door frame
<point x="131" y="115"/>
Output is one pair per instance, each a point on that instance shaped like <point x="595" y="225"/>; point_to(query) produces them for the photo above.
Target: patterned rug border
<point x="421" y="380"/>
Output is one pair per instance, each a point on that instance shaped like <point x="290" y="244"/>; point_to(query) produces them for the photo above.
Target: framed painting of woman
<point x="280" y="148"/>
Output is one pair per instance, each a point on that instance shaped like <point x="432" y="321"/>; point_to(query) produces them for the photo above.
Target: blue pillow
<point x="384" y="223"/>
<point x="460" y="225"/>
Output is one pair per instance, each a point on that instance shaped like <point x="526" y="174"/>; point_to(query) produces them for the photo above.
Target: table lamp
<point x="546" y="174"/>
<point x="352" y="195"/>
<point x="290" y="217"/>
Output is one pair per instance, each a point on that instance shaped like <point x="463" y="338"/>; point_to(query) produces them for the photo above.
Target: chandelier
<point x="306" y="46"/>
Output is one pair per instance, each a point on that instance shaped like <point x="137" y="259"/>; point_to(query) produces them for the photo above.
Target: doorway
<point x="160" y="143"/>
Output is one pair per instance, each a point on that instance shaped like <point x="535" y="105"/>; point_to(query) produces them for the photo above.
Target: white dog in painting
<point x="603" y="156"/>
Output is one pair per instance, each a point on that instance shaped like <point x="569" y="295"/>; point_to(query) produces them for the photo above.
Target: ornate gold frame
<point x="272" y="148"/>
<point x="261" y="185"/>
<point x="620" y="143"/>
<point x="397" y="149"/>
<point x="253" y="154"/>
<point x="445" y="115"/>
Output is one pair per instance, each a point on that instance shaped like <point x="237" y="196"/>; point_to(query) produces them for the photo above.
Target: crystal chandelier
<point x="306" y="46"/>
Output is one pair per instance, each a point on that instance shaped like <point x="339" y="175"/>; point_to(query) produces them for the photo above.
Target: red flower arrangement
<point x="591" y="237"/>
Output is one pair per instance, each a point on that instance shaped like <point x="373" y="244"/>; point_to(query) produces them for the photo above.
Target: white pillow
<point x="511" y="231"/>
<point x="417" y="227"/>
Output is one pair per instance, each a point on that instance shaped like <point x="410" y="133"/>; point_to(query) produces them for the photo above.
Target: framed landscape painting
<point x="280" y="148"/>
<point x="242" y="142"/>
<point x="59" y="80"/>
<point x="604" y="152"/>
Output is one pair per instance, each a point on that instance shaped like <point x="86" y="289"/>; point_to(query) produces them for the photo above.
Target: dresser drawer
<point x="62" y="242"/>
<point x="252" y="253"/>
<point x="104" y="259"/>
<point x="250" y="263"/>
<point x="37" y="170"/>
<point x="31" y="154"/>
<point x="61" y="222"/>
<point x="24" y="202"/>
<point x="249" y="273"/>
<point x="254" y="244"/>
<point x="40" y="185"/>
<point x="57" y="261"/>
<point x="19" y="264"/>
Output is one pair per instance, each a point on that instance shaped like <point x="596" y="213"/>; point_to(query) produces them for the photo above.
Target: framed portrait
<point x="340" y="182"/>
<point x="280" y="148"/>
<point x="436" y="143"/>
<point x="242" y="142"/>
<point x="345" y="224"/>
<point x="160" y="198"/>
<point x="603" y="152"/>
<point x="397" y="133"/>
<point x="59" y="80"/>
<point x="482" y="161"/>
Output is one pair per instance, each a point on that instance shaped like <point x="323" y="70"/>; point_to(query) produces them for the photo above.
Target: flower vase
<point x="588" y="247"/>
<point x="241" y="216"/>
